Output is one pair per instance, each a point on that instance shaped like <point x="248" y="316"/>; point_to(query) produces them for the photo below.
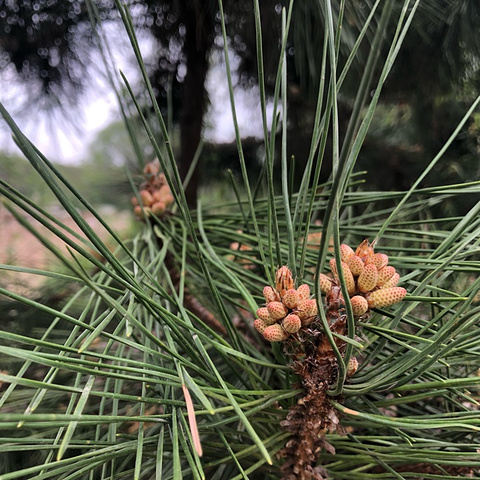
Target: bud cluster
<point x="286" y="309"/>
<point x="154" y="194"/>
<point x="370" y="281"/>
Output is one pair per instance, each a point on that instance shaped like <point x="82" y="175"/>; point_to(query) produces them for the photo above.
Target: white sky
<point x="52" y="133"/>
<point x="60" y="142"/>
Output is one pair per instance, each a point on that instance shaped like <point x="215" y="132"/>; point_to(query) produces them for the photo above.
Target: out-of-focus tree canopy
<point x="48" y="42"/>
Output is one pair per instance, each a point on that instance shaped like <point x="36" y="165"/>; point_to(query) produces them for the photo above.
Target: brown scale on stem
<point x="313" y="416"/>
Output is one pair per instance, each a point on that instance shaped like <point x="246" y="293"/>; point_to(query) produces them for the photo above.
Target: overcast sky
<point x="66" y="143"/>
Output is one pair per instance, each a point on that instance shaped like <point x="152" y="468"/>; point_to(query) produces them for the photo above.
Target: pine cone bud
<point x="307" y="309"/>
<point x="333" y="267"/>
<point x="163" y="194"/>
<point x="304" y="292"/>
<point x="359" y="305"/>
<point x="393" y="282"/>
<point x="355" y="264"/>
<point x="349" y="280"/>
<point x="386" y="297"/>
<point x="270" y="295"/>
<point x="146" y="197"/>
<point x="158" y="208"/>
<point x="291" y="298"/>
<point x="345" y="252"/>
<point x="168" y="198"/>
<point x="260" y="325"/>
<point x="275" y="333"/>
<point x="368" y="278"/>
<point x="325" y="283"/>
<point x="347" y="274"/>
<point x="264" y="314"/>
<point x="378" y="259"/>
<point x="292" y="323"/>
<point x="277" y="310"/>
<point x="138" y="211"/>
<point x="385" y="274"/>
<point x="158" y="195"/>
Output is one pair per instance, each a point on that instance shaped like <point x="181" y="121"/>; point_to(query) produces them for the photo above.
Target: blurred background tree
<point x="49" y="44"/>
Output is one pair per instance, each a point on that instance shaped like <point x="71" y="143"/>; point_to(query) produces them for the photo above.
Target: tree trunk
<point x="198" y="41"/>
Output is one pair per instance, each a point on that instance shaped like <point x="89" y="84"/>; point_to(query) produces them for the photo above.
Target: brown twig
<point x="190" y="301"/>
<point x="313" y="416"/>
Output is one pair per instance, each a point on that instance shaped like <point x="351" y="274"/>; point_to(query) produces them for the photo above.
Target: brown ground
<point x="18" y="247"/>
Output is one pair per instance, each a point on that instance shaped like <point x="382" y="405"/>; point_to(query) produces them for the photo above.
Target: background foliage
<point x="50" y="45"/>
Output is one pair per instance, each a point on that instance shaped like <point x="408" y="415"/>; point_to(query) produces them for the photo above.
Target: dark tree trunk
<point x="198" y="41"/>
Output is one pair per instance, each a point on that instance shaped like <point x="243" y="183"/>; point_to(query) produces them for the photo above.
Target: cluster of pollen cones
<point x="286" y="309"/>
<point x="154" y="195"/>
<point x="370" y="281"/>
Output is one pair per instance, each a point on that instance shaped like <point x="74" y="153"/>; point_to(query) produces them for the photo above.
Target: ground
<point x="20" y="248"/>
